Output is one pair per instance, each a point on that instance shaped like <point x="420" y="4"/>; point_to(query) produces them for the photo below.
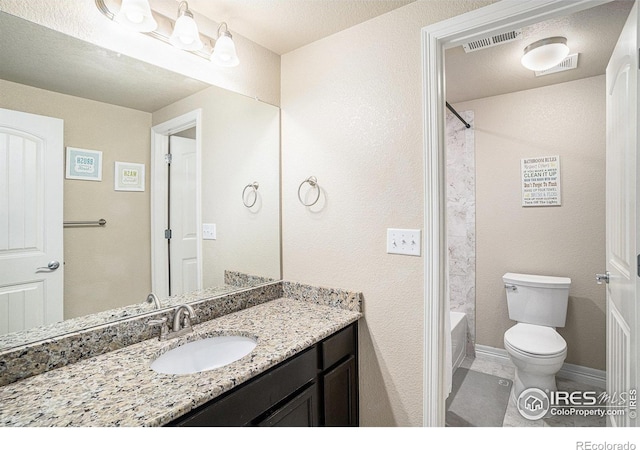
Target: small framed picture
<point x="129" y="177"/>
<point x="84" y="164"/>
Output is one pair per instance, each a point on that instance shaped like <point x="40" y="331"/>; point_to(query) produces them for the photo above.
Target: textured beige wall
<point x="106" y="267"/>
<point x="568" y="120"/>
<point x="240" y="145"/>
<point x="352" y="117"/>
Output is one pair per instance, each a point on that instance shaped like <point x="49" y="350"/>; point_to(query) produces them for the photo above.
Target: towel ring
<point x="313" y="182"/>
<point x="254" y="187"/>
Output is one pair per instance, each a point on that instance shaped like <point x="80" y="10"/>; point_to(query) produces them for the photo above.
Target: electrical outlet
<point x="208" y="231"/>
<point x="403" y="242"/>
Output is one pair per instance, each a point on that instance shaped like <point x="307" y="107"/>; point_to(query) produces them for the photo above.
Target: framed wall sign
<point x="129" y="177"/>
<point x="84" y="164"/>
<point x="540" y="181"/>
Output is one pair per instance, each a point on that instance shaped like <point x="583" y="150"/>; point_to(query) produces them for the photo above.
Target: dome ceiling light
<point x="545" y="53"/>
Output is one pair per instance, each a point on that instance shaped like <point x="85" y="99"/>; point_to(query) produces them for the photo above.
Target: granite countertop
<point x="119" y="388"/>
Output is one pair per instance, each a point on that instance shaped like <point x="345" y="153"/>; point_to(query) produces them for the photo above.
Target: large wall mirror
<point x="221" y="194"/>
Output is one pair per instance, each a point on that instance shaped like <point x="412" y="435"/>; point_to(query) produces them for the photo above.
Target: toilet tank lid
<point x="523" y="279"/>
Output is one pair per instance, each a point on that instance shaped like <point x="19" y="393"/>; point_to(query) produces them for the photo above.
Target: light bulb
<point x="185" y="33"/>
<point x="136" y="15"/>
<point x="224" y="52"/>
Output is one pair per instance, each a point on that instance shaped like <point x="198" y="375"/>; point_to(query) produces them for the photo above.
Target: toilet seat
<point x="535" y="341"/>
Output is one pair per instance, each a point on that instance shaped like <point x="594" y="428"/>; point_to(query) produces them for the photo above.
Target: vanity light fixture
<point x="545" y="53"/>
<point x="136" y="15"/>
<point x="224" y="53"/>
<point x="182" y="33"/>
<point x="185" y="31"/>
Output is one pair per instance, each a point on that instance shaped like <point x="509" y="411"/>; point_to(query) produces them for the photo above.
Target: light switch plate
<point x="209" y="231"/>
<point x="403" y="242"/>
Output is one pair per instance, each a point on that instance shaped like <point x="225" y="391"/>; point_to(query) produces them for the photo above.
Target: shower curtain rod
<point x="457" y="115"/>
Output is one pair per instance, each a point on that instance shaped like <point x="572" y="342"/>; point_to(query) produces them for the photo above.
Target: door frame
<point x="159" y="148"/>
<point x="436" y="38"/>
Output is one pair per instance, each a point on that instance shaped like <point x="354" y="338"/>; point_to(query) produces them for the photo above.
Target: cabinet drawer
<point x="253" y="398"/>
<point x="338" y="346"/>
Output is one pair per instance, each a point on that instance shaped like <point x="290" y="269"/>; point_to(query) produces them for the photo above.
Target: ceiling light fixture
<point x="185" y="34"/>
<point x="545" y="53"/>
<point x="224" y="53"/>
<point x="136" y="15"/>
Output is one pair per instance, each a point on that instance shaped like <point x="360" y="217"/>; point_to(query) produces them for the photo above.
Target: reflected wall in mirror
<point x="109" y="103"/>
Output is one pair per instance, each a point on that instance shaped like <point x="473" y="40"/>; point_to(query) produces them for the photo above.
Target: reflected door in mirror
<point x="31" y="250"/>
<point x="183" y="246"/>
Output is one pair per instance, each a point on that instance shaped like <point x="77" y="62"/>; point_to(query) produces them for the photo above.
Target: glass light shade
<point x="545" y="54"/>
<point x="185" y="34"/>
<point x="224" y="53"/>
<point x="136" y="15"/>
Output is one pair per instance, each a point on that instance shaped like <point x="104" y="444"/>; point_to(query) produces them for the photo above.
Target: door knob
<point x="53" y="265"/>
<point x="602" y="278"/>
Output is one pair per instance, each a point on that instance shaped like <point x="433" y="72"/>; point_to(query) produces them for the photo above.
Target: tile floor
<point x="513" y="418"/>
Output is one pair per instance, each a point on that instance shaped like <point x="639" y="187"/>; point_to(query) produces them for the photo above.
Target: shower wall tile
<point x="461" y="220"/>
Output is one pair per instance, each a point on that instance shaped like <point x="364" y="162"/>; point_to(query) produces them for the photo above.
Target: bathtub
<point x="458" y="338"/>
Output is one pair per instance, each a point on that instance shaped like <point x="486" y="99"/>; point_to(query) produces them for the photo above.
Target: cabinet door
<point x="341" y="395"/>
<point x="301" y="411"/>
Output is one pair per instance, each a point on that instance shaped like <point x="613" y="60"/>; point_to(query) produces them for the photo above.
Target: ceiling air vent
<point x="492" y="41"/>
<point x="570" y="62"/>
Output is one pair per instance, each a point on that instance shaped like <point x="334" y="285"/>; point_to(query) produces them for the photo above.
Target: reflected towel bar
<point x="90" y="223"/>
<point x="253" y="188"/>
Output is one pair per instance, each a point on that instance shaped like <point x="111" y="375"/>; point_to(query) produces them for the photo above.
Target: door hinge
<point x="167" y="234"/>
<point x="639" y="265"/>
<point x="167" y="158"/>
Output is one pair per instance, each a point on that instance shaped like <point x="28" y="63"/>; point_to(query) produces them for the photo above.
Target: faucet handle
<point x="186" y="321"/>
<point x="164" y="326"/>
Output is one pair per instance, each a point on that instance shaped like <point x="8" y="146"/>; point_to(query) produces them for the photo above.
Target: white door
<point x="622" y="247"/>
<point x="31" y="251"/>
<point x="183" y="246"/>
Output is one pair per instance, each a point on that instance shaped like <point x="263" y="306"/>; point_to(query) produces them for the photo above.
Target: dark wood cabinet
<point x="316" y="387"/>
<point x="340" y="399"/>
<point x="301" y="411"/>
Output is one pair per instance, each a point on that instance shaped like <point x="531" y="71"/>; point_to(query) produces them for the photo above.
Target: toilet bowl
<point x="538" y="353"/>
<point x="538" y="304"/>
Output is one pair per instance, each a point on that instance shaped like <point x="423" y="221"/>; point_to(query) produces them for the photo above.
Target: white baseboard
<point x="580" y="374"/>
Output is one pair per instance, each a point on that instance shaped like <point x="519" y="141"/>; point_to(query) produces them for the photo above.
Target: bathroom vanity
<point x="318" y="387"/>
<point x="302" y="372"/>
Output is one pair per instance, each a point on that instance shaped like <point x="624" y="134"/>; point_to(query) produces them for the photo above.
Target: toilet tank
<point x="537" y="299"/>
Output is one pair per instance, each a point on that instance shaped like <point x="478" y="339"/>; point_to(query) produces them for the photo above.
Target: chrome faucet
<point x="182" y="317"/>
<point x="153" y="298"/>
<point x="184" y="326"/>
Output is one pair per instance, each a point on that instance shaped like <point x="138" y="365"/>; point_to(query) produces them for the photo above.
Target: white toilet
<point x="539" y="305"/>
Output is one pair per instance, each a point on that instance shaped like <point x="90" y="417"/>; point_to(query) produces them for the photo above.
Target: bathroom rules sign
<point x="540" y="181"/>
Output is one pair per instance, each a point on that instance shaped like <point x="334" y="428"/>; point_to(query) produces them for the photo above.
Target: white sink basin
<point x="205" y="354"/>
